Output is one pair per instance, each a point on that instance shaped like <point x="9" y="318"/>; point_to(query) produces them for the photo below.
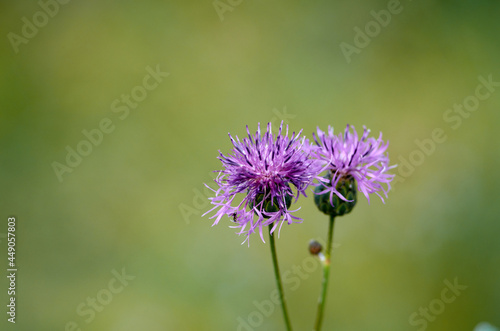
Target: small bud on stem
<point x="315" y="247"/>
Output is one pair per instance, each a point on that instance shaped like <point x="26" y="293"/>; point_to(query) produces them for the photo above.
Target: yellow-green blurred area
<point x="133" y="203"/>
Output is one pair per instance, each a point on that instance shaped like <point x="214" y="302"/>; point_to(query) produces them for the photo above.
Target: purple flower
<point x="346" y="156"/>
<point x="255" y="186"/>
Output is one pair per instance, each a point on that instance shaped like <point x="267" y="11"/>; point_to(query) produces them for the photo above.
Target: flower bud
<point x="315" y="247"/>
<point x="345" y="186"/>
<point x="270" y="206"/>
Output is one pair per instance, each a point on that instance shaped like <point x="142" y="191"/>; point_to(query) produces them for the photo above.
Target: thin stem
<point x="278" y="281"/>
<point x="326" y="273"/>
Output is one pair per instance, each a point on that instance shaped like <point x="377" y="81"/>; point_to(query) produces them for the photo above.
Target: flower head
<point x="351" y="160"/>
<point x="262" y="168"/>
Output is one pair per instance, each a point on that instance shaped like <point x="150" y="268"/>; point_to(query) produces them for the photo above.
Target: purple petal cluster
<point x="346" y="155"/>
<point x="263" y="168"/>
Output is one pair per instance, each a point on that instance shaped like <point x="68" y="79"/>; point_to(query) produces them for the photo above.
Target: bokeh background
<point x="134" y="203"/>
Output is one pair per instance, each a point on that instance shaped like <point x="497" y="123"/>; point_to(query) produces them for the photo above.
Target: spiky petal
<point x="262" y="169"/>
<point x="346" y="155"/>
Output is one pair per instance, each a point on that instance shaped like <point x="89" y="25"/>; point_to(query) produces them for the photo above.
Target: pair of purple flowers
<point x="265" y="172"/>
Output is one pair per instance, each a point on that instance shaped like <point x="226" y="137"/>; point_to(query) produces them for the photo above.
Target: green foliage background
<point x="121" y="207"/>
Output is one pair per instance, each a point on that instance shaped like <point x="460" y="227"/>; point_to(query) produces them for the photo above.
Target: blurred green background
<point x="135" y="201"/>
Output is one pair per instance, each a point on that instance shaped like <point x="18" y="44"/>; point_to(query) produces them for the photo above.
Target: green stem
<point x="326" y="273"/>
<point x="278" y="280"/>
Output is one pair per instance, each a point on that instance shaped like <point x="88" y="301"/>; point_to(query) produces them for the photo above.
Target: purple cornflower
<point x="262" y="168"/>
<point x="346" y="156"/>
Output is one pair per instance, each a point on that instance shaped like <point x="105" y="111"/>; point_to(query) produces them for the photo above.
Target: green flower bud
<point x="270" y="206"/>
<point x="345" y="186"/>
